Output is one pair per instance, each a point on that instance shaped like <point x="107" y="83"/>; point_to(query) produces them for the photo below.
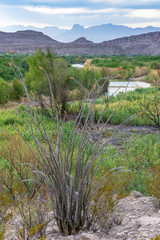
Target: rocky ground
<point x="118" y="136"/>
<point x="135" y="217"/>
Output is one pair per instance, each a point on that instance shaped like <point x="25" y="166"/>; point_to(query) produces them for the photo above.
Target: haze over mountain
<point x="96" y="34"/>
<point x="28" y="41"/>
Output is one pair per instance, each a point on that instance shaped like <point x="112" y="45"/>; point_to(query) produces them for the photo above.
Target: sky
<point x="66" y="13"/>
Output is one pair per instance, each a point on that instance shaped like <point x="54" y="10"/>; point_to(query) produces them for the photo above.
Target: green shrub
<point x="3" y="91"/>
<point x="17" y="90"/>
<point x="155" y="65"/>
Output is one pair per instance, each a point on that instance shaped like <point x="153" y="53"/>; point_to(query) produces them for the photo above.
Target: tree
<point x="57" y="72"/>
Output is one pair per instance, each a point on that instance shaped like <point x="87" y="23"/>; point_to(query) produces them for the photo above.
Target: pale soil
<point x="135" y="217"/>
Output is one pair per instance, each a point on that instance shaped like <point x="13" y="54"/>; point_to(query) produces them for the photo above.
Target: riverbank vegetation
<point x="132" y="104"/>
<point x="147" y="67"/>
<point x="142" y="65"/>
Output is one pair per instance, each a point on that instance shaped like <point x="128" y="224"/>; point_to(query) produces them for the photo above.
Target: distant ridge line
<point x="29" y="40"/>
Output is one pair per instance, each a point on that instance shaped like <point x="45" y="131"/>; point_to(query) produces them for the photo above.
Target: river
<point x="114" y="85"/>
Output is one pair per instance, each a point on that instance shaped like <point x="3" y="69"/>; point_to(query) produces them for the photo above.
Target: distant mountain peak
<point x="29" y="32"/>
<point x="77" y="26"/>
<point x="95" y="33"/>
<point x="82" y="40"/>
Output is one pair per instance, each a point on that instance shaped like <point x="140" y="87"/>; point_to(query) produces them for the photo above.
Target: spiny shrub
<point x="69" y="167"/>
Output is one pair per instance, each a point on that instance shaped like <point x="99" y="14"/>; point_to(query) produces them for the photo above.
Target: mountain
<point x="102" y="32"/>
<point x="51" y="31"/>
<point x="95" y="34"/>
<point x="28" y="41"/>
<point x="81" y="40"/>
<point x="148" y="44"/>
<point x="24" y="41"/>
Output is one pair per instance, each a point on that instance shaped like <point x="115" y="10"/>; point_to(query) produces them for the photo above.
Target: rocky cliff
<point x="28" y="41"/>
<point x="24" y="41"/>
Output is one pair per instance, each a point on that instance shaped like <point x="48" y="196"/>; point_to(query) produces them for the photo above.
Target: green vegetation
<point x="140" y="65"/>
<point x="129" y="106"/>
<point x="58" y="69"/>
<point x="3" y="91"/>
<point x="17" y="90"/>
<point x="126" y="62"/>
<point x="5" y="72"/>
<point x="141" y="153"/>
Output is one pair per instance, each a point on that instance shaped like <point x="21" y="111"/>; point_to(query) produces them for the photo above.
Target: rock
<point x="136" y="194"/>
<point x="86" y="236"/>
<point x="156" y="203"/>
<point x="135" y="217"/>
<point x="145" y="220"/>
<point x="140" y="218"/>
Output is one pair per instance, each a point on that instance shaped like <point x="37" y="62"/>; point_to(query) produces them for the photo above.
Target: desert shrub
<point x="34" y="216"/>
<point x="154" y="181"/>
<point x="154" y="77"/>
<point x="17" y="90"/>
<point x="155" y="65"/>
<point x="19" y="189"/>
<point x="151" y="109"/>
<point x="4" y="93"/>
<point x="100" y="214"/>
<point x="141" y="71"/>
<point x="13" y="154"/>
<point x="76" y="94"/>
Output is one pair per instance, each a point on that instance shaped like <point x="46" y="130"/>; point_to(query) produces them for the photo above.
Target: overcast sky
<point x="65" y="13"/>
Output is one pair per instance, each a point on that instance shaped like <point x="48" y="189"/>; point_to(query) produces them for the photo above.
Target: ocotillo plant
<point x="71" y="165"/>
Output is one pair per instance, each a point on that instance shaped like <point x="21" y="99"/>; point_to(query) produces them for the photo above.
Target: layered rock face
<point x="24" y="41"/>
<point x="28" y="41"/>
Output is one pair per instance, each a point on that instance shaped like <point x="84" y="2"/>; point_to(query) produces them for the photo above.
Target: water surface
<point x="115" y="86"/>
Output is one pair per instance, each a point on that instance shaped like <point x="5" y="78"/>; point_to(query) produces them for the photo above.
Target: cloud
<point x="115" y="12"/>
<point x="138" y="2"/>
<point x="144" y="13"/>
<point x="86" y="15"/>
<point x="142" y="24"/>
<point x="58" y="10"/>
